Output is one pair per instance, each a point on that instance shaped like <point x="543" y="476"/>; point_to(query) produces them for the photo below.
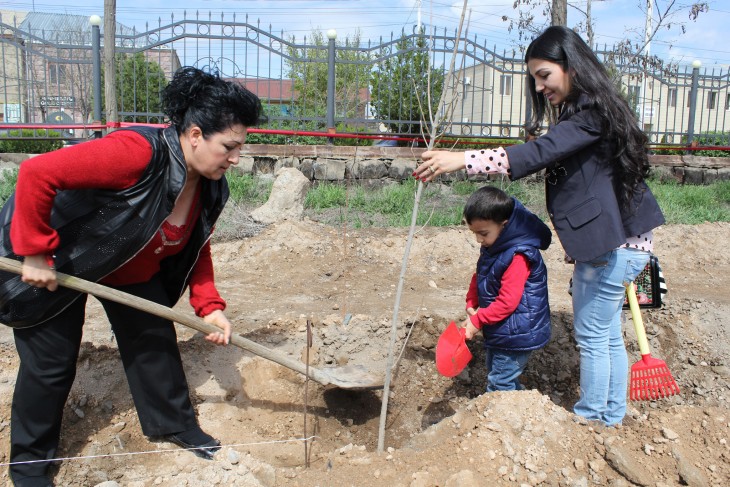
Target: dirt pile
<point x="440" y="431"/>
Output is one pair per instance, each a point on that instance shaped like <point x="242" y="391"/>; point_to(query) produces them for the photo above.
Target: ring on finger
<point x="430" y="168"/>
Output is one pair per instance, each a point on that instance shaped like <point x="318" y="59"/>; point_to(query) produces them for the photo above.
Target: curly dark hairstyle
<point x="588" y="77"/>
<point x="195" y="97"/>
<point x="488" y="203"/>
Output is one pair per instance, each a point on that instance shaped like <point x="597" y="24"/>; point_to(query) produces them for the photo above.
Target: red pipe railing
<point x="307" y="133"/>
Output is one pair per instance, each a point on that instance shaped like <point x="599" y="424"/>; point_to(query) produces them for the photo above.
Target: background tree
<point x="664" y="14"/>
<point x="139" y="83"/>
<point x="400" y="84"/>
<point x="629" y="56"/>
<point x="352" y="79"/>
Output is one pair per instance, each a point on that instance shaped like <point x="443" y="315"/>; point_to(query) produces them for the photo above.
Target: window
<point x="712" y="100"/>
<point x="672" y="97"/>
<point x="505" y="84"/>
<point x="727" y="102"/>
<point x="57" y="74"/>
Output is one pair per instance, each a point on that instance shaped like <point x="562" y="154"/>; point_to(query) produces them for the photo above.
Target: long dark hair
<point x="588" y="77"/>
<point x="195" y="97"/>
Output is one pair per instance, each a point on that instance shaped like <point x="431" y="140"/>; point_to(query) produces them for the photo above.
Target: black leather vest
<point x="100" y="230"/>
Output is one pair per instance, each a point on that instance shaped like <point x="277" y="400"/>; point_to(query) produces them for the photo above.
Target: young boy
<point x="508" y="293"/>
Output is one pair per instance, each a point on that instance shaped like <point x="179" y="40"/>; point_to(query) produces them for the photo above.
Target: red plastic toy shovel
<point x="452" y="354"/>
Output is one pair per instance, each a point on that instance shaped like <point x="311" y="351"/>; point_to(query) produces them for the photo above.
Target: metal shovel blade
<point x="348" y="377"/>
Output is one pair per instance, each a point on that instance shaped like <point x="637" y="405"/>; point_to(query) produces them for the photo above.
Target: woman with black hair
<point x="133" y="210"/>
<point x="596" y="160"/>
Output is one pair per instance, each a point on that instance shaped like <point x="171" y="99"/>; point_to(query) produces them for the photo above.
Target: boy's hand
<point x="470" y="329"/>
<point x="471" y="311"/>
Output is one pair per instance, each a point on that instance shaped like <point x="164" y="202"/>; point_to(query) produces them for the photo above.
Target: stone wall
<point x="371" y="164"/>
<point x="691" y="169"/>
<point x="332" y="163"/>
<point x="374" y="165"/>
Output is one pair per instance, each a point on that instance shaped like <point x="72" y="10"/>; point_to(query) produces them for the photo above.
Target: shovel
<point x="452" y="354"/>
<point x="348" y="377"/>
<point x="650" y="377"/>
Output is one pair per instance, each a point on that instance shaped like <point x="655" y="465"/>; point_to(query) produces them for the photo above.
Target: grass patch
<point x="442" y="205"/>
<point x="693" y="204"/>
<point x="358" y="206"/>
<point x="247" y="189"/>
<point x="392" y="205"/>
<point x="326" y="195"/>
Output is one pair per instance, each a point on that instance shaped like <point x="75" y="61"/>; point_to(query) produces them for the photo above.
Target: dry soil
<point x="440" y="431"/>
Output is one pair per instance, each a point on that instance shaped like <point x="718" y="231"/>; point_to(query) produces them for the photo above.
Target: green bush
<point x="476" y="143"/>
<point x="707" y="139"/>
<point x="29" y="145"/>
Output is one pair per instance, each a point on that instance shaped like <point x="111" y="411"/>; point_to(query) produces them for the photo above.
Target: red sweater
<point x="510" y="293"/>
<point x="116" y="161"/>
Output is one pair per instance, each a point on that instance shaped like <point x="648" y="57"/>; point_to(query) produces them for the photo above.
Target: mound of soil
<point x="440" y="431"/>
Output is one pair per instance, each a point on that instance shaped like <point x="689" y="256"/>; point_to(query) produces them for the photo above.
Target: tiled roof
<point x="63" y="28"/>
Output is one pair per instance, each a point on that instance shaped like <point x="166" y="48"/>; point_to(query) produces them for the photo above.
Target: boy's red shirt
<point x="510" y="294"/>
<point x="116" y="161"/>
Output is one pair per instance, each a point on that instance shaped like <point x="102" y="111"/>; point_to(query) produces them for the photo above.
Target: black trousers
<point x="48" y="355"/>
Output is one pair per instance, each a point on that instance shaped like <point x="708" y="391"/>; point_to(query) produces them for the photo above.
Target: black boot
<point x="197" y="441"/>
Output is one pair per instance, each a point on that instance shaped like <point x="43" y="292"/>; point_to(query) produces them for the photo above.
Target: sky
<point x="704" y="39"/>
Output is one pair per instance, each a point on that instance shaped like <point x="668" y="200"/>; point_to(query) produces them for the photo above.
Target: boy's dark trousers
<point x="48" y="354"/>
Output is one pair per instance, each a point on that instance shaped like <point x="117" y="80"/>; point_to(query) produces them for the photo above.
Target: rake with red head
<point x="650" y="377"/>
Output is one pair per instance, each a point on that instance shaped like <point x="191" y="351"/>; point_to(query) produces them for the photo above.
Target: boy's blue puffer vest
<point x="528" y="328"/>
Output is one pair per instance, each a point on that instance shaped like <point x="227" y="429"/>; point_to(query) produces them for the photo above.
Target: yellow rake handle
<point x="636" y="317"/>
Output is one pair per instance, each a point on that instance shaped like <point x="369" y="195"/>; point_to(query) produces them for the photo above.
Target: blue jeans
<point x="505" y="368"/>
<point x="599" y="288"/>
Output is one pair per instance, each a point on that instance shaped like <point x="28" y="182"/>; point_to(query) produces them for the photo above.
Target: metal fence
<point x="320" y="83"/>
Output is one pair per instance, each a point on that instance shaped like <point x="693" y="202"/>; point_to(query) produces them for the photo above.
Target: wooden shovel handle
<point x="185" y="319"/>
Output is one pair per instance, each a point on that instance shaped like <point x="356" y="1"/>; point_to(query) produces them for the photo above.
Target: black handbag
<point x="650" y="286"/>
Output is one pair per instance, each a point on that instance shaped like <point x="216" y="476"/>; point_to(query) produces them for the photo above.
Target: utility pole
<point x="110" y="69"/>
<point x="418" y="24"/>
<point x="589" y="24"/>
<point x="646" y="110"/>
<point x="647" y="27"/>
<point x="95" y="22"/>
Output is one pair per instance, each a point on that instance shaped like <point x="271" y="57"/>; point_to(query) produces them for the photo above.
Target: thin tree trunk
<point x="436" y="122"/>
<point x="559" y="12"/>
<point x="110" y="72"/>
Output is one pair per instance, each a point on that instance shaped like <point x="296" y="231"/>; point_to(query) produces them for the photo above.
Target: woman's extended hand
<point x="437" y="162"/>
<point x="37" y="272"/>
<point x="218" y="318"/>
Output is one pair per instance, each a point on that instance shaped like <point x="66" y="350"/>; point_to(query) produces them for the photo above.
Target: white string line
<point x="170" y="450"/>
